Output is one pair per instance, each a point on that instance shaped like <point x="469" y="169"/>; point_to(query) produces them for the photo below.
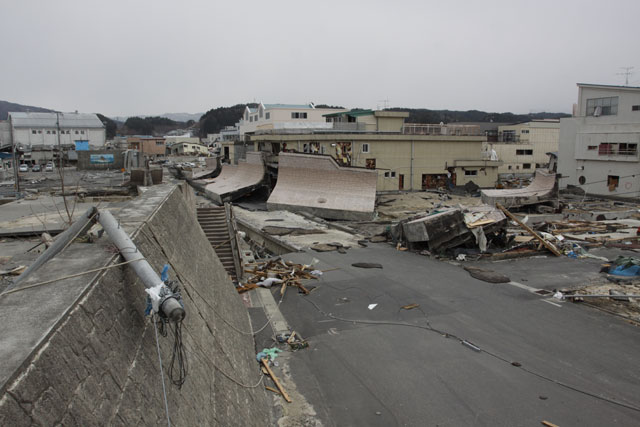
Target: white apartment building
<point x="523" y="147"/>
<point x="46" y="130"/>
<point x="284" y="116"/>
<point x="599" y="145"/>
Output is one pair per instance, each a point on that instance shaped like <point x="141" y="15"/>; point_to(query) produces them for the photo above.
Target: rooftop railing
<point x="442" y="129"/>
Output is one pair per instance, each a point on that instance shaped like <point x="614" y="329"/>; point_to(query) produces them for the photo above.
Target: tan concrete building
<point x="523" y="147"/>
<point x="406" y="156"/>
<point x="147" y="145"/>
<point x="187" y="148"/>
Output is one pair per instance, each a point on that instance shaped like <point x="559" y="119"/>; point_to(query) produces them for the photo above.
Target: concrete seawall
<point x="81" y="352"/>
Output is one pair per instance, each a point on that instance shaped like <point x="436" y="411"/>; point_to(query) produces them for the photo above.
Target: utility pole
<point x="626" y="73"/>
<point x="16" y="177"/>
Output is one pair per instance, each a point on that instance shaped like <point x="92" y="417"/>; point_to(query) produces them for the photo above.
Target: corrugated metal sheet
<point x="49" y="120"/>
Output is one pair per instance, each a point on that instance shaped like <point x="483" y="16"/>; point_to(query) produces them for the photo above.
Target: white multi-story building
<point x="599" y="145"/>
<point x="32" y="130"/>
<point x="284" y="116"/>
<point x="523" y="147"/>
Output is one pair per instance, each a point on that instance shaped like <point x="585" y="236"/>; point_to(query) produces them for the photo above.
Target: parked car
<point x="36" y="168"/>
<point x="48" y="167"/>
<point x="23" y="168"/>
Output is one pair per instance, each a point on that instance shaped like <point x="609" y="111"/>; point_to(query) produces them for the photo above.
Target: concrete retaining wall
<point x="81" y="352"/>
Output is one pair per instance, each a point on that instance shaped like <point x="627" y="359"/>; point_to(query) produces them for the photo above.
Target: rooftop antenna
<point x="385" y="103"/>
<point x="626" y="73"/>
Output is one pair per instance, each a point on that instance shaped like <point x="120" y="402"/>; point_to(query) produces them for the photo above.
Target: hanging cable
<point x="178" y="374"/>
<point x="164" y="390"/>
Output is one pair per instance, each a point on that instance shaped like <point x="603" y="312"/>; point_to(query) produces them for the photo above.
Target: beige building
<point x="173" y="139"/>
<point x="147" y="145"/>
<point x="406" y="156"/>
<point x="523" y="147"/>
<point x="599" y="144"/>
<point x="283" y="116"/>
<point x="188" y="148"/>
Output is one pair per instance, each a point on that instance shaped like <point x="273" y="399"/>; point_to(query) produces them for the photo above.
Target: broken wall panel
<point x="235" y="181"/>
<point x="318" y="185"/>
<point x="437" y="229"/>
<point x="543" y="188"/>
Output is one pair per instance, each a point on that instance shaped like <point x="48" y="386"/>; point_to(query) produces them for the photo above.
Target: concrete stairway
<point x="214" y="223"/>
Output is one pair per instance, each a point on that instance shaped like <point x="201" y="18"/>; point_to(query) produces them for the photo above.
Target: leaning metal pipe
<point x="168" y="305"/>
<point x="80" y="226"/>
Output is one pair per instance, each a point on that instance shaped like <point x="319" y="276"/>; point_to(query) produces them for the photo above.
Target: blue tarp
<point x="82" y="145"/>
<point x="623" y="270"/>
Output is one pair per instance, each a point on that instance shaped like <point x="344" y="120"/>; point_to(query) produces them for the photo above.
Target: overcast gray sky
<point x="151" y="57"/>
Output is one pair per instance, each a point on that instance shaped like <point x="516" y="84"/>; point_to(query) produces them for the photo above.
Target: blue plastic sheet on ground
<point x="623" y="270"/>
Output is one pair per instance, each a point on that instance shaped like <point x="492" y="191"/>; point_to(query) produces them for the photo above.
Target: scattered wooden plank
<point x="548" y="424"/>
<point x="272" y="390"/>
<point x="533" y="233"/>
<point x="265" y="363"/>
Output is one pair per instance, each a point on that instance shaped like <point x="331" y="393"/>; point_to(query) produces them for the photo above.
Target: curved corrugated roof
<point x="67" y="120"/>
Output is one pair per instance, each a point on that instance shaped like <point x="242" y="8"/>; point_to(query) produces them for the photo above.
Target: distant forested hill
<point x="152" y="125"/>
<point x="6" y="107"/>
<point x="216" y="119"/>
<point x="422" y="115"/>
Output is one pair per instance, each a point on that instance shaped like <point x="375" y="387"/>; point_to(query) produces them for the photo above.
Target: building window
<point x="612" y="182"/>
<point x="635" y="108"/>
<point x="68" y="132"/>
<point x="524" y="131"/>
<point x="48" y="132"/>
<point x="53" y="132"/>
<point x="370" y="163"/>
<point x="298" y="115"/>
<point x="39" y="131"/>
<point x="387" y="174"/>
<point x="76" y="132"/>
<point x="526" y="166"/>
<point x="322" y="149"/>
<point x="592" y="147"/>
<point x="510" y="167"/>
<point x="471" y="173"/>
<point x="602" y="106"/>
<point x="260" y="112"/>
<point x="267" y="116"/>
<point x="365" y="148"/>
<point x="251" y="119"/>
<point x="393" y="174"/>
<point x="620" y="149"/>
<point x="524" y="152"/>
<point x="159" y="143"/>
<point x="82" y="132"/>
<point x="33" y="132"/>
<point x="625" y="149"/>
<point x="255" y="118"/>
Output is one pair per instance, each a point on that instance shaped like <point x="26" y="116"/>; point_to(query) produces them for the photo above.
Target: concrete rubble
<point x="318" y="185"/>
<point x="543" y="189"/>
<point x="236" y="181"/>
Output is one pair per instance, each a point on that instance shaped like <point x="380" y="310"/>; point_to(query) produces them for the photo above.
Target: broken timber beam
<point x="548" y="245"/>
<point x="265" y="363"/>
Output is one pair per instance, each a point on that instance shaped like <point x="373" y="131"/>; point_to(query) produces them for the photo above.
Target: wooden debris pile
<point x="286" y="273"/>
<point x="576" y="226"/>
